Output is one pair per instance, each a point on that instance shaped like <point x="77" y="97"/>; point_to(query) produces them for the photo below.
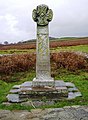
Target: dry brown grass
<point x="53" y="44"/>
<point x="24" y="62"/>
<point x="16" y="63"/>
<point x="69" y="60"/>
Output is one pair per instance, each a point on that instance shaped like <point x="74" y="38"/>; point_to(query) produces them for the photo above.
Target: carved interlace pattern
<point x="42" y="15"/>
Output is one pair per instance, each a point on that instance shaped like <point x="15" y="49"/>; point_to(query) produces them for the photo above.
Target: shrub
<point x="24" y="62"/>
<point x="69" y="60"/>
<point x="16" y="63"/>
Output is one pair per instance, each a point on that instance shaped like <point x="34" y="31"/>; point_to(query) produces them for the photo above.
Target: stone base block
<point x="41" y="95"/>
<point x="60" y="90"/>
<point x="43" y="83"/>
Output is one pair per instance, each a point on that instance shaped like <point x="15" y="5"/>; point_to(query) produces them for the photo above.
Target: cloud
<point x="70" y="19"/>
<point x="10" y="29"/>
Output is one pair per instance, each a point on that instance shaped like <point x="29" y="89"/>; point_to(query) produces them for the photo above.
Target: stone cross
<point x="42" y="15"/>
<point x="43" y="84"/>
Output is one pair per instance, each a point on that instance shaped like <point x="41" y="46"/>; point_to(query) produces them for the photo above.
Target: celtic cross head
<point x="42" y="15"/>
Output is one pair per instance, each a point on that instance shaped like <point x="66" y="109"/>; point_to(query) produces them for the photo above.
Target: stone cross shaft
<point x="42" y="15"/>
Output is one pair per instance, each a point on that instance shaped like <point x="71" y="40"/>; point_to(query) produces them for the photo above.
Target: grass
<point x="15" y="79"/>
<point x="16" y="106"/>
<point x="79" y="78"/>
<point x="81" y="48"/>
<point x="15" y="51"/>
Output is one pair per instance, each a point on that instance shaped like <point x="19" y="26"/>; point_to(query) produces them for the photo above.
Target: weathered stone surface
<point x="16" y="86"/>
<point x="72" y="95"/>
<point x="46" y="103"/>
<point x="36" y="93"/>
<point x="74" y="89"/>
<point x="48" y="95"/>
<point x="85" y="108"/>
<point x="61" y="90"/>
<point x="69" y="84"/>
<point x="60" y="83"/>
<point x="25" y="89"/>
<point x="15" y="90"/>
<point x="6" y="115"/>
<point x="75" y="106"/>
<point x="26" y="84"/>
<point x="13" y="98"/>
<point x="42" y="15"/>
<point x="79" y="112"/>
<point x="28" y="103"/>
<point x="70" y="113"/>
<point x="43" y="82"/>
<point x="38" y="103"/>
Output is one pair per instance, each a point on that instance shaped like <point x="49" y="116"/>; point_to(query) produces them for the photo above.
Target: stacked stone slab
<point x="25" y="91"/>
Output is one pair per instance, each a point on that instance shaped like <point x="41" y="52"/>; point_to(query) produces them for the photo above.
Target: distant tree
<point x="6" y="43"/>
<point x="0" y="43"/>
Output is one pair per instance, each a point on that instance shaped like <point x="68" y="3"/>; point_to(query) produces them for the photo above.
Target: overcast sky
<point x="16" y="24"/>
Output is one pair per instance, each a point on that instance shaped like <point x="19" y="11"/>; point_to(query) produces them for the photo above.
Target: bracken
<point x="24" y="62"/>
<point x="69" y="60"/>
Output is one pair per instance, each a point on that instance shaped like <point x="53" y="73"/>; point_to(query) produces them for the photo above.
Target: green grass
<point x="15" y="51"/>
<point x="15" y="79"/>
<point x="68" y="38"/>
<point x="15" y="106"/>
<point x="81" y="48"/>
<point x="80" y="79"/>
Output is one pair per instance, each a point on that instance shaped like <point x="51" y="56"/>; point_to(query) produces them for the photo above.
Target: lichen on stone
<point x="42" y="15"/>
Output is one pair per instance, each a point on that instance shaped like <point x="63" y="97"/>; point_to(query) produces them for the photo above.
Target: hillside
<point x="33" y="40"/>
<point x="56" y="39"/>
<point x="58" y="42"/>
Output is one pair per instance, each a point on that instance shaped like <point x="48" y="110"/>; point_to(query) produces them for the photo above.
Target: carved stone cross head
<point x="42" y="15"/>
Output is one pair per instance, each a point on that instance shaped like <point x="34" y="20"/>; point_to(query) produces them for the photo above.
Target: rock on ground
<point x="66" y="113"/>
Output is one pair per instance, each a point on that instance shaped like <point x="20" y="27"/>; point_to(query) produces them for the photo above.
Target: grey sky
<point x="16" y="24"/>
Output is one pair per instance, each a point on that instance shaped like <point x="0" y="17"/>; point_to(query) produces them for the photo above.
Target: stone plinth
<point x="61" y="90"/>
<point x="42" y="82"/>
